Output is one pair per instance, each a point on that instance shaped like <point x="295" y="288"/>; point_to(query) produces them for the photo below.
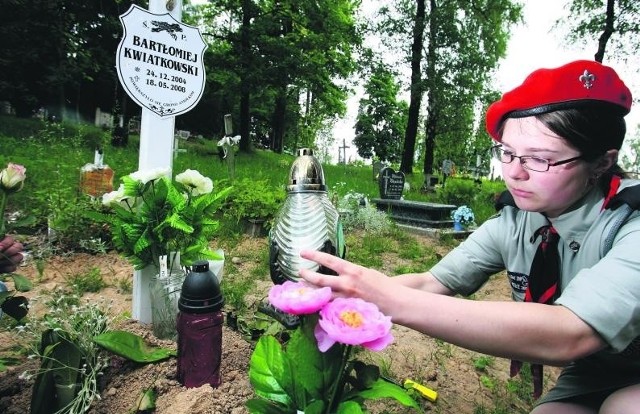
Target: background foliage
<point x="285" y="68"/>
<point x="52" y="194"/>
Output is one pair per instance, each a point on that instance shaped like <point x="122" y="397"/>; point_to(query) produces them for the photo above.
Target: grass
<point x="53" y="155"/>
<point x="91" y="281"/>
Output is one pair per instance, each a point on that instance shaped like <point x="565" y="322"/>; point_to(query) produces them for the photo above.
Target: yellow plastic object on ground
<point x="427" y="393"/>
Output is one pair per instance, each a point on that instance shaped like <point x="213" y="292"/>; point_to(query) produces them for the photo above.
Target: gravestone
<point x="391" y="184"/>
<point x="412" y="213"/>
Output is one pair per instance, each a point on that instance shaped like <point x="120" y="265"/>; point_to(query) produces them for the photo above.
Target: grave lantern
<point x="306" y="221"/>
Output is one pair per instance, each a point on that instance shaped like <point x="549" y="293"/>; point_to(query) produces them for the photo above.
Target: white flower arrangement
<point x="151" y="215"/>
<point x="463" y="214"/>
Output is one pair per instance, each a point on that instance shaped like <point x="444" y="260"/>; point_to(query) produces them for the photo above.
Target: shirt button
<point x="574" y="246"/>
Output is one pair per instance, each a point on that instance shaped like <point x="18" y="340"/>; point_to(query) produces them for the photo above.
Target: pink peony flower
<point x="353" y="321"/>
<point x="299" y="298"/>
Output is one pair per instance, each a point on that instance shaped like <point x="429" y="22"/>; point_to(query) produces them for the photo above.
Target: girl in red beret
<point x="567" y="235"/>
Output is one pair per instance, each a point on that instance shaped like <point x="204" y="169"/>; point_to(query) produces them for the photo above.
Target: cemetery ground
<point x="466" y="382"/>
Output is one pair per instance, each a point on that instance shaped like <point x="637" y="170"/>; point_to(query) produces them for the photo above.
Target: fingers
<point x="334" y="263"/>
<point x="344" y="285"/>
<point x="10" y="254"/>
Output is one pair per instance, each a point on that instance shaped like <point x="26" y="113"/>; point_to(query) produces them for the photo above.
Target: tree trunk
<point x="432" y="117"/>
<point x="406" y="166"/>
<point x="607" y="32"/>
<point x="245" y="87"/>
<point x="278" y="121"/>
<point x="429" y="149"/>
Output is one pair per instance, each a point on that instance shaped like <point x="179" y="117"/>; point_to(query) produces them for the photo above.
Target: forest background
<point x="285" y="69"/>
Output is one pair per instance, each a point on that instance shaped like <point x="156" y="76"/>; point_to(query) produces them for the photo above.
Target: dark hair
<point x="592" y="130"/>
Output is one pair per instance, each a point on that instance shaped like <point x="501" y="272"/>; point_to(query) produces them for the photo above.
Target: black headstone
<point x="391" y="183"/>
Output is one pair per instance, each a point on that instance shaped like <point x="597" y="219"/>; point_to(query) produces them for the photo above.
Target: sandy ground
<point x="449" y="370"/>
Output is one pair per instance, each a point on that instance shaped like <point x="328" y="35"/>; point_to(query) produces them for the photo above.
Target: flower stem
<point x="3" y="205"/>
<point x="338" y="386"/>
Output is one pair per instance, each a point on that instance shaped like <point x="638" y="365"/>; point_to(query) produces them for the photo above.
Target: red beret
<point x="568" y="86"/>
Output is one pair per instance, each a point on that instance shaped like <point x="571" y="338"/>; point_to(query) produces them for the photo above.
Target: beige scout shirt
<point x="604" y="291"/>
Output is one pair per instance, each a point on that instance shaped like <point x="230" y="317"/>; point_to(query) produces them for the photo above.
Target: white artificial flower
<point x="229" y="141"/>
<point x="144" y="176"/>
<point x="198" y="183"/>
<point x="12" y="178"/>
<point x="113" y="197"/>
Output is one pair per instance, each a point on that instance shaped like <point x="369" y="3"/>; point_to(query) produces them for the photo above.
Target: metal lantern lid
<point x="306" y="173"/>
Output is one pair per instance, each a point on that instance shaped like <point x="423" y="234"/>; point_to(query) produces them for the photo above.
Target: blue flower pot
<point x="457" y="226"/>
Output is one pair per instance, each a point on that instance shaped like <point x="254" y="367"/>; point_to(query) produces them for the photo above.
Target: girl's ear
<point x="608" y="160"/>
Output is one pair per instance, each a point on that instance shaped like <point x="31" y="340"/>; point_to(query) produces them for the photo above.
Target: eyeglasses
<point x="529" y="162"/>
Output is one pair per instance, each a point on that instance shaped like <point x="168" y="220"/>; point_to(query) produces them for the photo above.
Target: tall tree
<point x="461" y="44"/>
<point x="416" y="89"/>
<point x="613" y="23"/>
<point x="466" y="40"/>
<point x="381" y="118"/>
<point x="282" y="50"/>
<point x="59" y="54"/>
<point x="305" y="45"/>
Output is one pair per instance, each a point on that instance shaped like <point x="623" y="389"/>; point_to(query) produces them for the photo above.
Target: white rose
<point x="12" y="178"/>
<point x="198" y="183"/>
<point x="113" y="197"/>
<point x="145" y="176"/>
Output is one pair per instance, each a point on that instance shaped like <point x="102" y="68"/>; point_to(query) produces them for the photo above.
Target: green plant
<point x="70" y="360"/>
<point x="152" y="216"/>
<point x="125" y="285"/>
<point x="68" y="226"/>
<point x="482" y="362"/>
<point x="254" y="200"/>
<point x="315" y="371"/>
<point x="72" y="342"/>
<point x="90" y="281"/>
<point x="367" y="218"/>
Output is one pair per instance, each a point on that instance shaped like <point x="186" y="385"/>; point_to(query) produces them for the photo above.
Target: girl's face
<point x="550" y="192"/>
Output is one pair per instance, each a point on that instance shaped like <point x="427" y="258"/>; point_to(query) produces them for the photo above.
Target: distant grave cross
<point x="343" y="148"/>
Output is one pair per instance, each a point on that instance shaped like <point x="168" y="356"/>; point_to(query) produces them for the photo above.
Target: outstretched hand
<point x="352" y="281"/>
<point x="10" y="254"/>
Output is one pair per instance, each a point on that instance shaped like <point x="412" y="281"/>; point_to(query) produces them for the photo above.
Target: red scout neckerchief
<point x="544" y="276"/>
<point x="614" y="184"/>
<point x="542" y="288"/>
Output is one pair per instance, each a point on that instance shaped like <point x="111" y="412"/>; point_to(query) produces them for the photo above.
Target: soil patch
<point x="462" y="387"/>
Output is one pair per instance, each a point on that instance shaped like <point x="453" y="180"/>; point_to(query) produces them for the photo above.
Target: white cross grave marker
<point x="160" y="65"/>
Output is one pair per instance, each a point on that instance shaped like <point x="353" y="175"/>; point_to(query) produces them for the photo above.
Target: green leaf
<point x="146" y="400"/>
<point x="385" y="389"/>
<point x="366" y="375"/>
<point x="21" y="283"/>
<point x="315" y="371"/>
<point x="269" y="372"/>
<point x="349" y="407"/>
<point x="261" y="406"/>
<point x="132" y="346"/>
<point x="177" y="222"/>
<point x="15" y="306"/>
<point x="61" y="366"/>
<point x="316" y="407"/>
<point x="7" y="361"/>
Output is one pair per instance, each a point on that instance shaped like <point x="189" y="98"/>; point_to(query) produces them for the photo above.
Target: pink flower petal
<point x="380" y="343"/>
<point x="299" y="298"/>
<point x="324" y="341"/>
<point x="353" y="321"/>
